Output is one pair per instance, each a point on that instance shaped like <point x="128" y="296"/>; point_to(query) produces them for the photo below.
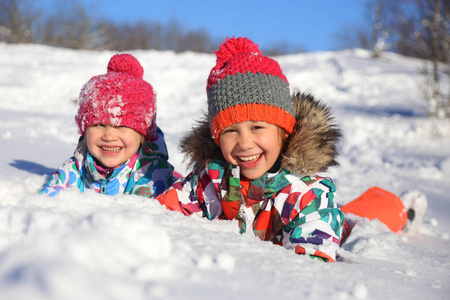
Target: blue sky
<point x="303" y="23"/>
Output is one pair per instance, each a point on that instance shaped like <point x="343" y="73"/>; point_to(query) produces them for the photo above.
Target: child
<point x="258" y="155"/>
<point x="121" y="150"/>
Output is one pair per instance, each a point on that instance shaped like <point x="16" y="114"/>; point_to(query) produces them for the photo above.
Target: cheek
<point x="133" y="143"/>
<point x="272" y="141"/>
<point x="226" y="148"/>
<point x="90" y="140"/>
<point x="132" y="139"/>
<point x="225" y="151"/>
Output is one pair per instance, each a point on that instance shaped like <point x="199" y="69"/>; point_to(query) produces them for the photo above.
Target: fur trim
<point x="310" y="149"/>
<point x="312" y="146"/>
<point x="197" y="145"/>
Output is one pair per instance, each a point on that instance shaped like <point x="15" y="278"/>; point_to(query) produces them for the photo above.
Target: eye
<point x="228" y="130"/>
<point x="256" y="127"/>
<point x="98" y="125"/>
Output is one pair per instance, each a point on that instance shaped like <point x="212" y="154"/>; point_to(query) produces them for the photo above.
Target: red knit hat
<point x="120" y="98"/>
<point x="246" y="85"/>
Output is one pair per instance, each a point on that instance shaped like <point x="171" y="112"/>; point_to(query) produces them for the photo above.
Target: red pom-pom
<point x="233" y="46"/>
<point x="125" y="63"/>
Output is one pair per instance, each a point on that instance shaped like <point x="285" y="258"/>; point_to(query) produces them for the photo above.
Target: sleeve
<point x="182" y="196"/>
<point x="153" y="183"/>
<point x="316" y="223"/>
<point x="156" y="173"/>
<point x="65" y="176"/>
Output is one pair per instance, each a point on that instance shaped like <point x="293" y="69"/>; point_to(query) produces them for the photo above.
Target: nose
<point x="110" y="133"/>
<point x="245" y="140"/>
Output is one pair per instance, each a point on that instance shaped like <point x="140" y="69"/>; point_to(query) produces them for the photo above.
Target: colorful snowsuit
<point x="147" y="173"/>
<point x="296" y="212"/>
<point x="291" y="205"/>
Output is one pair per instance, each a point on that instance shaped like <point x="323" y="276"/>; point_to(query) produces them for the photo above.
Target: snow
<point x="91" y="246"/>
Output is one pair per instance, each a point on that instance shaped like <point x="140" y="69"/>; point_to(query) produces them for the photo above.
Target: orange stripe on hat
<point x="251" y="112"/>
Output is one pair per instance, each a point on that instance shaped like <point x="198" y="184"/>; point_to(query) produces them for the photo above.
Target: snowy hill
<point x="90" y="246"/>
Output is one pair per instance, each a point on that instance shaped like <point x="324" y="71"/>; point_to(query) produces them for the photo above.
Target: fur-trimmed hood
<point x="310" y="149"/>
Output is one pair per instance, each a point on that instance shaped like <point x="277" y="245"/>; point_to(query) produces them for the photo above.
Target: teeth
<point x="111" y="149"/>
<point x="249" y="158"/>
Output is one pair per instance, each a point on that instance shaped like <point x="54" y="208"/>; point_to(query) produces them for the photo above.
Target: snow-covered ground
<point x="90" y="246"/>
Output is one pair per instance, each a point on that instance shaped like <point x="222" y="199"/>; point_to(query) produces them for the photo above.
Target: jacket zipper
<point x="103" y="186"/>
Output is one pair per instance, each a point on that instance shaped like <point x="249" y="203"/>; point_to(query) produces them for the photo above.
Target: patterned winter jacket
<point x="292" y="206"/>
<point x="147" y="173"/>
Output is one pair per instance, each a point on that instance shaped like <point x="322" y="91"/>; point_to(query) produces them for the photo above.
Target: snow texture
<point x="91" y="246"/>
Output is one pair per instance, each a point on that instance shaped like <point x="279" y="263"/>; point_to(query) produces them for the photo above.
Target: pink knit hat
<point x="120" y="98"/>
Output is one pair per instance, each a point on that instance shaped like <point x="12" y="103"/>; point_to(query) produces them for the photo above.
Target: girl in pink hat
<point x="121" y="150"/>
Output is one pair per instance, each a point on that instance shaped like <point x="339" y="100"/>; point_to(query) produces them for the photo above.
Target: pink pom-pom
<point x="125" y="63"/>
<point x="233" y="46"/>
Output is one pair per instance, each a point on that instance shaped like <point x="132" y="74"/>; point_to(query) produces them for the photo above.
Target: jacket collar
<point x="261" y="188"/>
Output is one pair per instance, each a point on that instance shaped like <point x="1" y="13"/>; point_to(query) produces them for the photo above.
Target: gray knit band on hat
<point x="248" y="88"/>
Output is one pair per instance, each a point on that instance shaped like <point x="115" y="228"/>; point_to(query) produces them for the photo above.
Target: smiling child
<point x="259" y="154"/>
<point x="121" y="149"/>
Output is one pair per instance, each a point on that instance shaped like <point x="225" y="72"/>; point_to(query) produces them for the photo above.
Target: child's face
<point x="253" y="146"/>
<point x="112" y="145"/>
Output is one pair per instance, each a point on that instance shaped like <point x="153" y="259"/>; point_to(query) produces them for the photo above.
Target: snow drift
<point x="91" y="246"/>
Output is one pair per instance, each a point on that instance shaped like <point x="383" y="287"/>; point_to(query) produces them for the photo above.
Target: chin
<point x="252" y="175"/>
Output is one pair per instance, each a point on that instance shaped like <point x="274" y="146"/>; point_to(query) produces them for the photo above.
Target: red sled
<point x="380" y="204"/>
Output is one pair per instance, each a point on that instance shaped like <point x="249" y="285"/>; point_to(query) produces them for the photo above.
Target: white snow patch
<point x="89" y="246"/>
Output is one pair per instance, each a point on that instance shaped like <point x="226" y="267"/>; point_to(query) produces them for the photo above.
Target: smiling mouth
<point x="249" y="158"/>
<point x="111" y="149"/>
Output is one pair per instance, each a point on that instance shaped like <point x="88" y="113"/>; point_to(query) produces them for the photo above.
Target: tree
<point x="17" y="18"/>
<point x="417" y="28"/>
<point x="377" y="34"/>
<point x="433" y="43"/>
<point x="71" y="26"/>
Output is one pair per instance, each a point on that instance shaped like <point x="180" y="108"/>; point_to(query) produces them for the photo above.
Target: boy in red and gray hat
<point x="121" y="150"/>
<point x="259" y="156"/>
